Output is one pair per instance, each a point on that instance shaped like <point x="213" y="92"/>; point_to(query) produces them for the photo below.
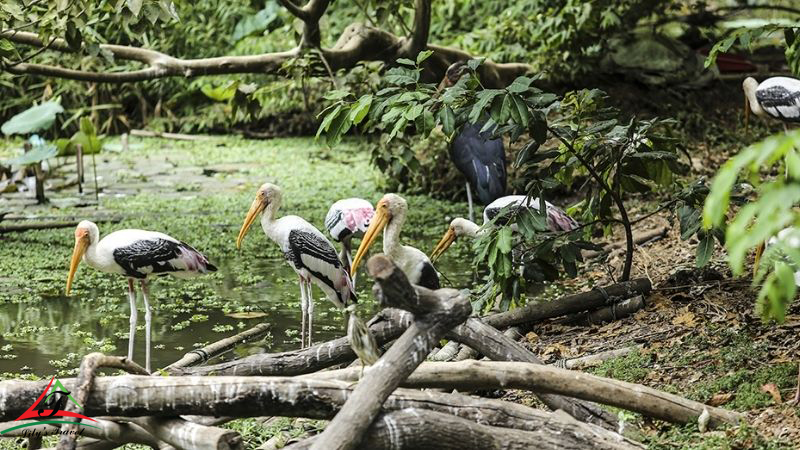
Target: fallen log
<point x="638" y="239"/>
<point x="201" y="355"/>
<point x="175" y="136"/>
<point x="297" y="362"/>
<point x="480" y="375"/>
<point x="607" y="314"/>
<point x="435" y="313"/>
<point x="182" y="434"/>
<point x="594" y="360"/>
<point x="569" y="304"/>
<point x="417" y="429"/>
<point x="164" y="397"/>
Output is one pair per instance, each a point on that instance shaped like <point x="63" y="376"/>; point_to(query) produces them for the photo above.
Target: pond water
<point x="67" y="324"/>
<point x="199" y="193"/>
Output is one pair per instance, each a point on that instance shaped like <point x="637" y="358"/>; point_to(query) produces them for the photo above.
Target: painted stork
<point x="557" y="220"/>
<point x="390" y="214"/>
<point x="137" y="254"/>
<point x="347" y="218"/>
<point x="776" y="97"/>
<point x="307" y="251"/>
<point x="791" y="238"/>
<point x="479" y="157"/>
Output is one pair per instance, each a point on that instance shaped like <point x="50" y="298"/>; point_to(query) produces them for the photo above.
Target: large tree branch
<point x="418" y="40"/>
<point x="356" y="44"/>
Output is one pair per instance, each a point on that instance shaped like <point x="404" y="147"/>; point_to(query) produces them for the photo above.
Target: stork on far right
<point x="478" y="156"/>
<point x="776" y="97"/>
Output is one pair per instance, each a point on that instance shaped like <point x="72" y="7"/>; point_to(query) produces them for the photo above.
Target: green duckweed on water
<point x="198" y="192"/>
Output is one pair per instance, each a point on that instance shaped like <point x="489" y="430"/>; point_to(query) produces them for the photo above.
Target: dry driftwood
<point x="175" y="136"/>
<point x="201" y="355"/>
<point x="607" y="314"/>
<point x="385" y="327"/>
<point x="638" y="239"/>
<point x="183" y="434"/>
<point x="84" y="382"/>
<point x="594" y="360"/>
<point x="435" y="312"/>
<point x="164" y="397"/>
<point x="298" y="362"/>
<point x="477" y="375"/>
<point x="420" y="429"/>
<point x="570" y="304"/>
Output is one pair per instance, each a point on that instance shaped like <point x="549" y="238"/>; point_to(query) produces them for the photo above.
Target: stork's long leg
<point x="303" y="311"/>
<point x="469" y="199"/>
<point x="147" y="321"/>
<point x="310" y="300"/>
<point x="132" y="333"/>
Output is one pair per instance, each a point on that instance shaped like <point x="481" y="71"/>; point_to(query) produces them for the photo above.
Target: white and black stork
<point x="776" y="97"/>
<point x="478" y="156"/>
<point x="139" y="255"/>
<point x="347" y="218"/>
<point x="307" y="251"/>
<point x="557" y="220"/>
<point x="390" y="214"/>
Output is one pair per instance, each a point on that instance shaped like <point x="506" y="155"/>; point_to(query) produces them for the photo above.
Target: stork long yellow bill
<point x="445" y="243"/>
<point x="255" y="209"/>
<point x="81" y="244"/>
<point x="376" y="225"/>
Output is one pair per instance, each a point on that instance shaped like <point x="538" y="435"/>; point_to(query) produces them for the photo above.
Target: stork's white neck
<point x="750" y="93"/>
<point x="391" y="235"/>
<point x="268" y="217"/>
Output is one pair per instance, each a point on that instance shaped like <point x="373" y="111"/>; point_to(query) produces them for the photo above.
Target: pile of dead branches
<point x="399" y="402"/>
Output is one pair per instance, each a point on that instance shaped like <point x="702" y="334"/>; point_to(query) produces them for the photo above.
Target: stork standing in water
<point x="390" y="214"/>
<point x="137" y="254"/>
<point x="479" y="157"/>
<point x="776" y="97"/>
<point x="557" y="220"/>
<point x="347" y="218"/>
<point x="306" y="249"/>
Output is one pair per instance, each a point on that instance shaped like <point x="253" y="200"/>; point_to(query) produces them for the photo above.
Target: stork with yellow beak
<point x="390" y="214"/>
<point x="139" y="255"/>
<point x="557" y="220"/>
<point x="307" y="251"/>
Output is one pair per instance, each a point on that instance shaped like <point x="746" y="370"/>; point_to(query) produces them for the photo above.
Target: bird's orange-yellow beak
<point x="445" y="243"/>
<point x="759" y="252"/>
<point x="746" y="114"/>
<point x="81" y="244"/>
<point x="255" y="209"/>
<point x="376" y="225"/>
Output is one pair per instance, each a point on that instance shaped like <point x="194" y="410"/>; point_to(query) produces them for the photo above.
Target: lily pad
<point x="33" y="119"/>
<point x="38" y="154"/>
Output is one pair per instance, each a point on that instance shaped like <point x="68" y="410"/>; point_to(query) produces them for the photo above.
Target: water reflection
<point x="59" y="328"/>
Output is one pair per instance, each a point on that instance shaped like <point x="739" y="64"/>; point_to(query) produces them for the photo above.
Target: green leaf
<point x="264" y="20"/>
<point x="704" y="250"/>
<point x="135" y="6"/>
<point x="7" y="49"/>
<point x="485" y="97"/>
<point x="448" y="119"/>
<point x="504" y="240"/>
<point x="38" y="154"/>
<point x="33" y="119"/>
<point x="520" y="85"/>
<point x="522" y="110"/>
<point x="406" y="62"/>
<point x="326" y="122"/>
<point x="423" y="55"/>
<point x="361" y="109"/>
<point x="220" y="93"/>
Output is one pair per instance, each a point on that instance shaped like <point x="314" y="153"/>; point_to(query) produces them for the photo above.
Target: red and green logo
<point x="50" y="406"/>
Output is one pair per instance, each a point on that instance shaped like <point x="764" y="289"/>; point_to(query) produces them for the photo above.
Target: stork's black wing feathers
<point x="507" y="211"/>
<point x="157" y="253"/>
<point x="307" y="243"/>
<point x="482" y="160"/>
<point x="429" y="278"/>
<point x="774" y="98"/>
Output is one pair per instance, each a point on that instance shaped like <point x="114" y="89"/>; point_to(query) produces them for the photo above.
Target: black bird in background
<point x="478" y="156"/>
